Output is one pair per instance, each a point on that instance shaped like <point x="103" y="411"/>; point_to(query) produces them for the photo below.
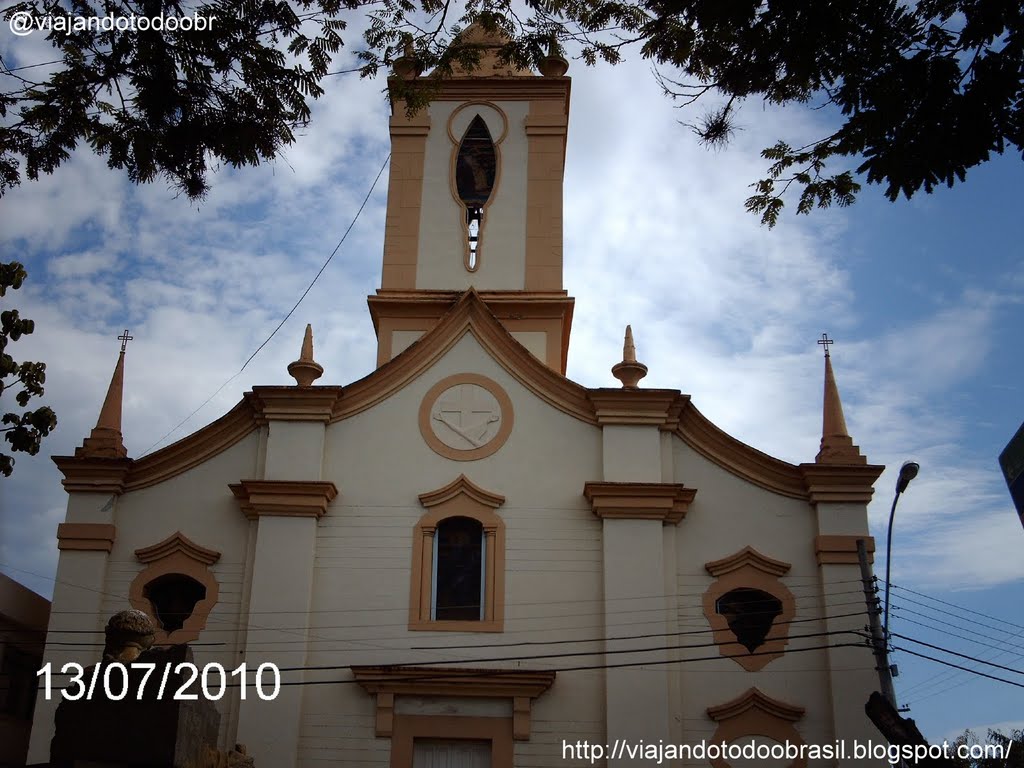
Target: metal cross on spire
<point x="825" y="341"/>
<point x="124" y="340"/>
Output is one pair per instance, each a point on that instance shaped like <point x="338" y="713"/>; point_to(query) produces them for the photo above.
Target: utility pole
<point x="878" y="639"/>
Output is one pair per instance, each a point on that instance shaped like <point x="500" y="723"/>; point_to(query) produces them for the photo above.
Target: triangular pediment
<point x="470" y="314"/>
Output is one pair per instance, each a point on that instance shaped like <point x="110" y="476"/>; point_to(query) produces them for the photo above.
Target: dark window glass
<point x="174" y="597"/>
<point x="457" y="573"/>
<point x="750" y="613"/>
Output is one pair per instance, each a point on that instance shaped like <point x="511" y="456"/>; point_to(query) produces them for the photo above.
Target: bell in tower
<point x="475" y="201"/>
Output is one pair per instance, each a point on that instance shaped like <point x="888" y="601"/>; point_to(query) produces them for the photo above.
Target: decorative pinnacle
<point x="629" y="371"/>
<point x="836" y="444"/>
<point x="306" y="370"/>
<point x="105" y="440"/>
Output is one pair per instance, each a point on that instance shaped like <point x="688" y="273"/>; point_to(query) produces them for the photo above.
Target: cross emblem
<point x="124" y="339"/>
<point x="825" y="341"/>
<point x="466" y="416"/>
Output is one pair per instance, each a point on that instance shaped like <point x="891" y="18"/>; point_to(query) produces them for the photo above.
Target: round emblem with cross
<point x="466" y="417"/>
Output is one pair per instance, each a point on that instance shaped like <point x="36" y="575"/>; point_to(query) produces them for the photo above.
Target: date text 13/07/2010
<point x="111" y="681"/>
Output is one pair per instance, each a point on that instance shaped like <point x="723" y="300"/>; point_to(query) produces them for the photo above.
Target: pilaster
<point x="285" y="506"/>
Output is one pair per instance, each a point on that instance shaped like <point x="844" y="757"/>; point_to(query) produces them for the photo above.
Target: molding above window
<point x="749" y="569"/>
<point x="755" y="714"/>
<point x="176" y="555"/>
<point x="460" y="498"/>
<point x="520" y="685"/>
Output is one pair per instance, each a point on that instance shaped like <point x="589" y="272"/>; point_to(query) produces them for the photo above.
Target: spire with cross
<point x="825" y="341"/>
<point x="124" y="339"/>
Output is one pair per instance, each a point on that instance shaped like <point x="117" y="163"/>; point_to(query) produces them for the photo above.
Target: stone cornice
<point x="86" y="537"/>
<point x="284" y="498"/>
<point x="830" y="483"/>
<point x="737" y="457"/>
<point x="198" y="447"/>
<point x="454" y="681"/>
<point x="295" y="403"/>
<point x="93" y="474"/>
<point x="841" y="549"/>
<point x="655" y="407"/>
<point x="668" y="502"/>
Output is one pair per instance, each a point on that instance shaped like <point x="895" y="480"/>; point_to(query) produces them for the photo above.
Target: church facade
<point x="465" y="558"/>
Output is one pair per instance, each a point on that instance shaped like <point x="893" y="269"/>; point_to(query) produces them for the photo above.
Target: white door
<point x="451" y="753"/>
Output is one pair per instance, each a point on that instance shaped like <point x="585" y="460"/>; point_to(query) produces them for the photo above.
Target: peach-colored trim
<point x="755" y="714"/>
<point x="295" y="403"/>
<point x="408" y="728"/>
<point x="472" y="454"/>
<point x="550" y="312"/>
<point x="747" y="556"/>
<point x="496" y="89"/>
<point x="87" y="537"/>
<point x="737" y="457"/>
<point x="748" y="568"/>
<point x="191" y="451"/>
<point x="841" y="550"/>
<point x="405" y="196"/>
<point x="460" y="498"/>
<point x="829" y="483"/>
<point x="520" y="685"/>
<point x="177" y="542"/>
<point x="635" y="406"/>
<point x="177" y="554"/>
<point x="469" y="314"/>
<point x="668" y="502"/>
<point x="546" y="129"/>
<point x="461" y="485"/>
<point x="93" y="474"/>
<point x="284" y="498"/>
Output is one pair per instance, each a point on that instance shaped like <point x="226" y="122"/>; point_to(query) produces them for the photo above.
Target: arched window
<point x="459" y="561"/>
<point x="476" y="167"/>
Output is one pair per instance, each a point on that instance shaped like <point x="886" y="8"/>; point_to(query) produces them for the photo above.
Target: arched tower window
<point x="476" y="168"/>
<point x="458" y="570"/>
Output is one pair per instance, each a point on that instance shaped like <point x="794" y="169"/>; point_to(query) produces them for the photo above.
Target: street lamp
<point x="908" y="472"/>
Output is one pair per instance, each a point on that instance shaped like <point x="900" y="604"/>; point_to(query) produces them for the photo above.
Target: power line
<point x="958" y="666"/>
<point x="960" y="655"/>
<point x="290" y="311"/>
<point x="960" y="607"/>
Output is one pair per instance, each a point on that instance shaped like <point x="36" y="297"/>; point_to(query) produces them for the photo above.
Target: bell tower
<point x="475" y="201"/>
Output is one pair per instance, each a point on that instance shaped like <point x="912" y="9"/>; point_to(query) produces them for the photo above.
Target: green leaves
<point x="922" y="90"/>
<point x="22" y="431"/>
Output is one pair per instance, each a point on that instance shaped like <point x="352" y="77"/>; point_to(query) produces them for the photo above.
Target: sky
<point x="924" y="298"/>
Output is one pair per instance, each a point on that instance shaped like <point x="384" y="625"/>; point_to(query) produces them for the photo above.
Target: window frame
<point x="461" y="498"/>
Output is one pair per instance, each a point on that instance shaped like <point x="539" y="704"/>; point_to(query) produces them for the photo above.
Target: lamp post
<point x="908" y="472"/>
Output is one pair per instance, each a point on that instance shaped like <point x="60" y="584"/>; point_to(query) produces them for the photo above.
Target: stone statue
<point x="128" y="634"/>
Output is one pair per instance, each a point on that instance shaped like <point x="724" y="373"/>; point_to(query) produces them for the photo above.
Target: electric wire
<point x="290" y="311"/>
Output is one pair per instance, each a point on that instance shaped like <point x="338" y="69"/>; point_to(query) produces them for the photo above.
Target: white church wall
<point x="199" y="504"/>
<point x="727" y="515"/>
<point x="381" y="464"/>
